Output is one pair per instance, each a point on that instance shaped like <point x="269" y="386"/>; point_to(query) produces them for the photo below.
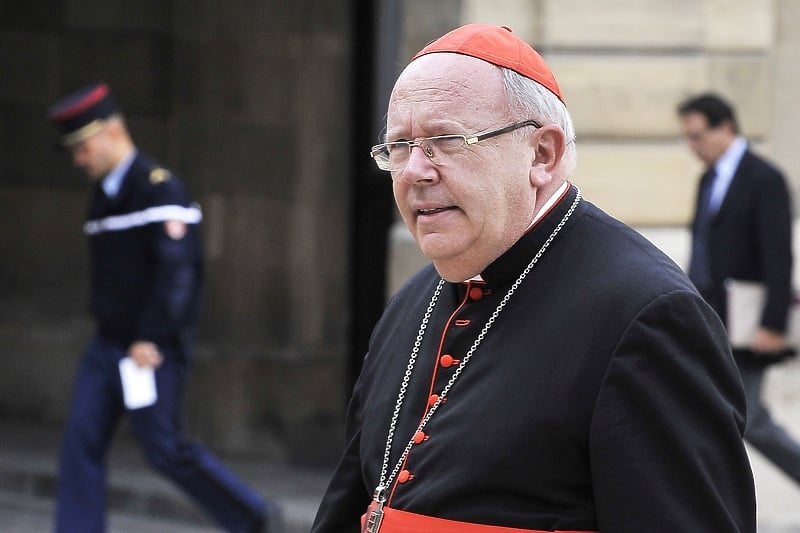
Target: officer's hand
<point x="145" y="353"/>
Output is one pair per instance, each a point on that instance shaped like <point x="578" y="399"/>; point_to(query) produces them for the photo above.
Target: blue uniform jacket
<point x="146" y="258"/>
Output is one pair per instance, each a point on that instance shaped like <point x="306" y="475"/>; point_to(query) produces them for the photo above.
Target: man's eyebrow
<point x="432" y="129"/>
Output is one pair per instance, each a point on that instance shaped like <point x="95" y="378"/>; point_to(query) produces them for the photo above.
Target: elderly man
<point x="551" y="370"/>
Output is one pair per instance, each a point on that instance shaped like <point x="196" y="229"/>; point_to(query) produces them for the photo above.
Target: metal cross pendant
<point x="372" y="524"/>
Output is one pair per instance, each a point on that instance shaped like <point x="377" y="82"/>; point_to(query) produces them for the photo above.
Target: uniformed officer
<point x="146" y="275"/>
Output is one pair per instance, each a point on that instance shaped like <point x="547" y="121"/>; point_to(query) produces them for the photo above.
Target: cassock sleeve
<point x="346" y="498"/>
<point x="666" y="446"/>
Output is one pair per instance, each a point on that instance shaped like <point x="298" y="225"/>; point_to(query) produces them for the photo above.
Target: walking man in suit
<point x="742" y="230"/>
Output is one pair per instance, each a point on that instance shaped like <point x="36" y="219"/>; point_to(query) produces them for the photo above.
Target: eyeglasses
<point x="394" y="156"/>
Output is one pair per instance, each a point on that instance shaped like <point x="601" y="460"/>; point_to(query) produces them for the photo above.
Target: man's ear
<point x="549" y="143"/>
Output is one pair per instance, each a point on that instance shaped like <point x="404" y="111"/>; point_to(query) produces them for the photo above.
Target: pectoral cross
<point x="372" y="524"/>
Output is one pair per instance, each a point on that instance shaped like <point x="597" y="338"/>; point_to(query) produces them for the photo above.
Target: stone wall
<point x="624" y="65"/>
<point x="251" y="102"/>
<point x="248" y="101"/>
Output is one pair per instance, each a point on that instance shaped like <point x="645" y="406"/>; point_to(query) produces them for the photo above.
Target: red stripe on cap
<point x="91" y="98"/>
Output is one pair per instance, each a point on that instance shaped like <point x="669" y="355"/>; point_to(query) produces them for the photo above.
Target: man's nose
<point x="420" y="166"/>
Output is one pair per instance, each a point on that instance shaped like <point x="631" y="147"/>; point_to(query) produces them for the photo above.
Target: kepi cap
<point x="499" y="46"/>
<point x="82" y="113"/>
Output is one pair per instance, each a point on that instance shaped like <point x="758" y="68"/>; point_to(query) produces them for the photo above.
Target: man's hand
<point x="145" y="353"/>
<point x="768" y="342"/>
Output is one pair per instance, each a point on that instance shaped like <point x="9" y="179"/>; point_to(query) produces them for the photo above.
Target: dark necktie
<point x="700" y="263"/>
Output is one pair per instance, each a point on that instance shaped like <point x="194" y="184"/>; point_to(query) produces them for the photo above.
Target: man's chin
<point x="439" y="248"/>
<point x="435" y="245"/>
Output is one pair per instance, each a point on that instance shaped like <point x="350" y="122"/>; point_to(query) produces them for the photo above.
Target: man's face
<point x="706" y="142"/>
<point x="464" y="210"/>
<point x="93" y="155"/>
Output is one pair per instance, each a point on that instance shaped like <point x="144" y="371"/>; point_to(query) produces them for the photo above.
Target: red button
<point x="419" y="437"/>
<point x="475" y="293"/>
<point x="432" y="399"/>
<point x="447" y="361"/>
<point x="404" y="476"/>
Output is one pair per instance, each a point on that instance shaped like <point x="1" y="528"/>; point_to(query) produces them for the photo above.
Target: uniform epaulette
<point x="159" y="175"/>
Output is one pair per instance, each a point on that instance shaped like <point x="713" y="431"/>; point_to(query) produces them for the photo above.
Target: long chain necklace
<point x="374" y="517"/>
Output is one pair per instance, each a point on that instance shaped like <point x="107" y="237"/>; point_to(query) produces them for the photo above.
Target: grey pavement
<point x="778" y="496"/>
<point x="141" y="501"/>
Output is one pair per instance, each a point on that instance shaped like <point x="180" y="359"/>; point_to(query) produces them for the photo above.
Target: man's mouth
<point x="434" y="210"/>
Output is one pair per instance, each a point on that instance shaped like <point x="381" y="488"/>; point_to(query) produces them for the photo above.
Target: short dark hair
<point x="712" y="106"/>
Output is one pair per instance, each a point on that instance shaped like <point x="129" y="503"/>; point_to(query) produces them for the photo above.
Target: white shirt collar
<point x="729" y="160"/>
<point x="542" y="212"/>
<point x="725" y="168"/>
<point x="113" y="181"/>
<point x="549" y="203"/>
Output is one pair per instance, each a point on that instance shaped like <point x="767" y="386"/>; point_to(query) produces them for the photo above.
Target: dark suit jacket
<point x="604" y="397"/>
<point x="751" y="238"/>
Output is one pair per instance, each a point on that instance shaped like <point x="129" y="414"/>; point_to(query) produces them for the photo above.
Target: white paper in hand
<point x="138" y="384"/>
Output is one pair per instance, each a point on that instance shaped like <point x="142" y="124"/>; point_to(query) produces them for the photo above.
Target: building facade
<point x="267" y="110"/>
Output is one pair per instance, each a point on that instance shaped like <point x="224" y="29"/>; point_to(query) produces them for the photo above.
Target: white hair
<point x="532" y="100"/>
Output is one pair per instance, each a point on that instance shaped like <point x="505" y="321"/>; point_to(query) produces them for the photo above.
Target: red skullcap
<point x="498" y="46"/>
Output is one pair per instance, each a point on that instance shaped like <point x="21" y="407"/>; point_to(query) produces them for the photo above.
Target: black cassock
<point x="603" y="396"/>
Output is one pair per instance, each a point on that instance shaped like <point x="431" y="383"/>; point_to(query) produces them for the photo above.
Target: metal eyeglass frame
<point x="380" y="152"/>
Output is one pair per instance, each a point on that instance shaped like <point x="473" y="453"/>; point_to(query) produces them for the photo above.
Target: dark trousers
<point x="95" y="412"/>
<point x="761" y="431"/>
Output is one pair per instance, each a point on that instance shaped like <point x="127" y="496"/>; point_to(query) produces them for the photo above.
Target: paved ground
<point x="140" y="501"/>
<point x="778" y="497"/>
<point x="143" y="502"/>
<point x="25" y="515"/>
